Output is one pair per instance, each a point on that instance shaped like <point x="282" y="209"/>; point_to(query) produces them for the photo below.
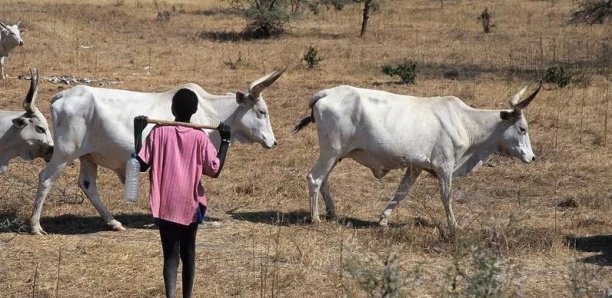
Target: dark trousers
<point x="178" y="240"/>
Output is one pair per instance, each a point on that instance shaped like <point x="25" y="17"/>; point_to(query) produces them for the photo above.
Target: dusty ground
<point x="508" y="210"/>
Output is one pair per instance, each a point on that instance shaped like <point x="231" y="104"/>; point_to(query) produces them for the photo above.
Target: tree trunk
<point x="366" y="16"/>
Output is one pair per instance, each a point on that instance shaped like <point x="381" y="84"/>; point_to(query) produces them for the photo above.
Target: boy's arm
<point x="143" y="153"/>
<point x="226" y="136"/>
<point x="143" y="165"/>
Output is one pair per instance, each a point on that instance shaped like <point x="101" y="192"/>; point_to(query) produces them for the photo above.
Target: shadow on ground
<point x="217" y="12"/>
<point x="70" y="224"/>
<point x="234" y="36"/>
<point x="598" y="243"/>
<point x="302" y="217"/>
<point x="75" y="224"/>
<point x="273" y="217"/>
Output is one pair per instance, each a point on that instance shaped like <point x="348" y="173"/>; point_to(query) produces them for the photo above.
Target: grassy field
<point x="515" y="226"/>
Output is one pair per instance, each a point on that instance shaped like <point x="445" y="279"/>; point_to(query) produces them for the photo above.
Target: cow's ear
<point x="505" y="115"/>
<point x="19" y="122"/>
<point x="242" y="98"/>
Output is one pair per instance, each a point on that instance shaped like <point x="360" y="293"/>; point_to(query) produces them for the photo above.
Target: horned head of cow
<point x="258" y="86"/>
<point x="253" y="121"/>
<point x="517" y="106"/>
<point x="515" y="137"/>
<point x="32" y="125"/>
<point x="12" y="35"/>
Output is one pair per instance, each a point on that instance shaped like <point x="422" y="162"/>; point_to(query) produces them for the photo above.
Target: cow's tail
<point x="56" y="97"/>
<point x="304" y="121"/>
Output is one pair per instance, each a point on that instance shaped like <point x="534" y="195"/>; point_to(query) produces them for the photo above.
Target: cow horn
<point x="28" y="103"/>
<point x="523" y="104"/>
<point x="259" y="85"/>
<point x="3" y="25"/>
<point x="514" y="100"/>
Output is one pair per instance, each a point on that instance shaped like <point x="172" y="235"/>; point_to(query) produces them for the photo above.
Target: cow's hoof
<point x="37" y="230"/>
<point x="331" y="216"/>
<point x="117" y="226"/>
<point x="383" y="222"/>
<point x="315" y="220"/>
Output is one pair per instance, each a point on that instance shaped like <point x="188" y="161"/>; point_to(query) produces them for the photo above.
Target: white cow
<point x="385" y="131"/>
<point x="10" y="37"/>
<point x="96" y="126"/>
<point x="25" y="134"/>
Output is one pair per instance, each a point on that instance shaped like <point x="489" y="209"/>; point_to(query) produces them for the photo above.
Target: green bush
<point x="407" y="71"/>
<point x="339" y="4"/>
<point x="312" y="57"/>
<point x="559" y="75"/>
<point x="266" y="18"/>
<point x="485" y="18"/>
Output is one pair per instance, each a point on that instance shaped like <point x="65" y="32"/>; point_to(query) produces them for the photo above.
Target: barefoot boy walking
<point x="177" y="157"/>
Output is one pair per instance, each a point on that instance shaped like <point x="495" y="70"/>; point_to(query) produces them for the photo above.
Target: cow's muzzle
<point x="528" y="159"/>
<point x="47" y="156"/>
<point x="270" y="146"/>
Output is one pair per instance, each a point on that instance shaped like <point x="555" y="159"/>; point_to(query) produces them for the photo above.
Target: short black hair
<point x="184" y="103"/>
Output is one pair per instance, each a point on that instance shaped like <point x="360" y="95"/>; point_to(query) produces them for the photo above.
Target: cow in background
<point x="385" y="131"/>
<point x="96" y="125"/>
<point x="25" y="133"/>
<point x="10" y="37"/>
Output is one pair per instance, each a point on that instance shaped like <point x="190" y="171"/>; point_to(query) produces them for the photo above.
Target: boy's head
<point x="184" y="104"/>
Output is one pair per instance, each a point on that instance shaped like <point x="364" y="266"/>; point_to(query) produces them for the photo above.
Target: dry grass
<point x="508" y="207"/>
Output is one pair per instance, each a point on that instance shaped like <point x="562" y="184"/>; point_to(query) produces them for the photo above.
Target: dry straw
<point x="265" y="245"/>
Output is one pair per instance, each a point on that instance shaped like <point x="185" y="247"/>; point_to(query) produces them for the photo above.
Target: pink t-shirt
<point x="178" y="157"/>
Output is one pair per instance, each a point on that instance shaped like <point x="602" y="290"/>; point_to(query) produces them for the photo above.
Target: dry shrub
<point x="378" y="278"/>
<point x="580" y="280"/>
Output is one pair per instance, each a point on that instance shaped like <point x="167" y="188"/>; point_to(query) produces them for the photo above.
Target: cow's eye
<point x="40" y="129"/>
<point x="522" y="130"/>
<point x="261" y="112"/>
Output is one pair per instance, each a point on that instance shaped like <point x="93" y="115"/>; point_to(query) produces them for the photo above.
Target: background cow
<point x="96" y="126"/>
<point x="385" y="131"/>
<point x="25" y="134"/>
<point x="10" y="37"/>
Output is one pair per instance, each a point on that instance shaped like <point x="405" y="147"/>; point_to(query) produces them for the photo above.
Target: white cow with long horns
<point x="10" y="37"/>
<point x="25" y="133"/>
<point x="385" y="131"/>
<point x="96" y="126"/>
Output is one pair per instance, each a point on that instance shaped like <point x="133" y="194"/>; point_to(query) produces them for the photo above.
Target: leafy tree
<point x="265" y="18"/>
<point x="368" y="6"/>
